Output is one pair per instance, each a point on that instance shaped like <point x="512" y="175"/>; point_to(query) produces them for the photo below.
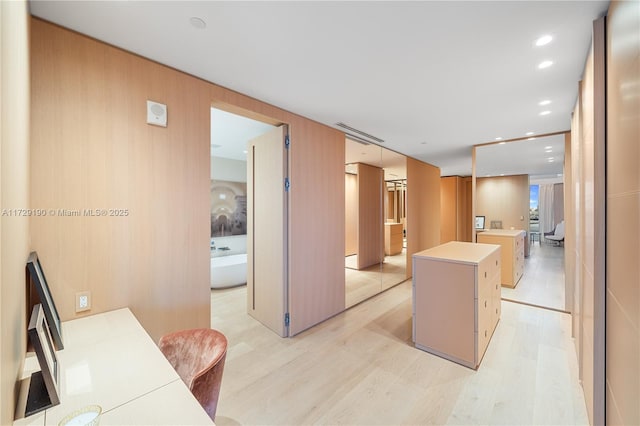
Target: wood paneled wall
<point x="351" y="214"/>
<point x="466" y="222"/>
<point x="448" y="209"/>
<point x="455" y="209"/>
<point x="504" y="198"/>
<point x="587" y="265"/>
<point x="92" y="149"/>
<point x="14" y="198"/>
<point x="569" y="217"/>
<point x="370" y="220"/>
<point x="623" y="214"/>
<point x="316" y="228"/>
<point x="423" y="208"/>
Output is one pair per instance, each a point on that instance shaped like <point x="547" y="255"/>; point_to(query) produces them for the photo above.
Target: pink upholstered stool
<point x="198" y="357"/>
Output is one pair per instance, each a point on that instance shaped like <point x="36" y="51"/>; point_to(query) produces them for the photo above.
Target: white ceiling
<point x="541" y="157"/>
<point x="230" y="134"/>
<point x="430" y="78"/>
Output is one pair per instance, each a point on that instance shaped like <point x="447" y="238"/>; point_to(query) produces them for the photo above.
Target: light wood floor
<point x="543" y="280"/>
<point x="360" y="368"/>
<point x="364" y="283"/>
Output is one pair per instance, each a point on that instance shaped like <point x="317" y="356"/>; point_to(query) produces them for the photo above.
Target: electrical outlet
<point x="83" y="301"/>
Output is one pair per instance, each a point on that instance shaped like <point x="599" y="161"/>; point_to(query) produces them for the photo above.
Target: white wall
<point x="230" y="170"/>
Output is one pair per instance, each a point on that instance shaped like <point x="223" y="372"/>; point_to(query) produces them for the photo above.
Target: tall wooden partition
<point x="370" y="221"/>
<point x="423" y="208"/>
<point x="623" y="215"/>
<point x="455" y="208"/>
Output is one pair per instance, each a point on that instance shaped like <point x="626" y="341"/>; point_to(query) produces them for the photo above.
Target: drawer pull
<point x="485" y="333"/>
<point x="485" y="274"/>
<point x="496" y="263"/>
<point x="485" y="303"/>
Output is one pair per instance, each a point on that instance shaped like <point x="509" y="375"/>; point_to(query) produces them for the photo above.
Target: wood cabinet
<point x="393" y="238"/>
<point x="456" y="300"/>
<point x="512" y="243"/>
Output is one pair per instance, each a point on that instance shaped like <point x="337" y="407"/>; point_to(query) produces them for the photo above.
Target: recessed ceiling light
<point x="545" y="39"/>
<point x="559" y="174"/>
<point x="545" y="102"/>
<point x="198" y="23"/>
<point x="531" y="139"/>
<point x="545" y="64"/>
<point x="501" y="174"/>
<point x="548" y="150"/>
<point x="529" y="133"/>
<point x="548" y="147"/>
<point x="499" y="138"/>
<point x="551" y="160"/>
<point x="545" y="112"/>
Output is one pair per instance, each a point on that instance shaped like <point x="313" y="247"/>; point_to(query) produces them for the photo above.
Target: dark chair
<point x="198" y="357"/>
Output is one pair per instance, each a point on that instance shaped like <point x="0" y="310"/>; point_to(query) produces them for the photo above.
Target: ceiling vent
<point x="361" y="137"/>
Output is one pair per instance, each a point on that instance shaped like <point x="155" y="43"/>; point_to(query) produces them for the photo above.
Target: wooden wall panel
<point x="569" y="217"/>
<point x="370" y="220"/>
<point x="504" y="198"/>
<point x="316" y="227"/>
<point x="465" y="218"/>
<point x="92" y="149"/>
<point x="423" y="208"/>
<point x="102" y="155"/>
<point x="448" y="209"/>
<point x="623" y="214"/>
<point x="456" y="222"/>
<point x="351" y="214"/>
<point x="14" y="197"/>
<point x="586" y="224"/>
<point x="577" y="185"/>
<point x="588" y="178"/>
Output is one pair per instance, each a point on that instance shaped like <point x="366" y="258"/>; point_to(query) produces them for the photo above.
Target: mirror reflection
<point x="519" y="186"/>
<point x="375" y="208"/>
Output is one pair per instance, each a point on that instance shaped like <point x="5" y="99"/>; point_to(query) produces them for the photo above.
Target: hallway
<point x="542" y="283"/>
<point x="360" y="367"/>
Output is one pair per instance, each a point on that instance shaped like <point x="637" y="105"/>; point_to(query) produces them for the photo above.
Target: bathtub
<point x="228" y="271"/>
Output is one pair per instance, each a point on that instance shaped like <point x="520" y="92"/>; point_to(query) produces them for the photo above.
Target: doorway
<point x="520" y="186"/>
<point x="237" y="239"/>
